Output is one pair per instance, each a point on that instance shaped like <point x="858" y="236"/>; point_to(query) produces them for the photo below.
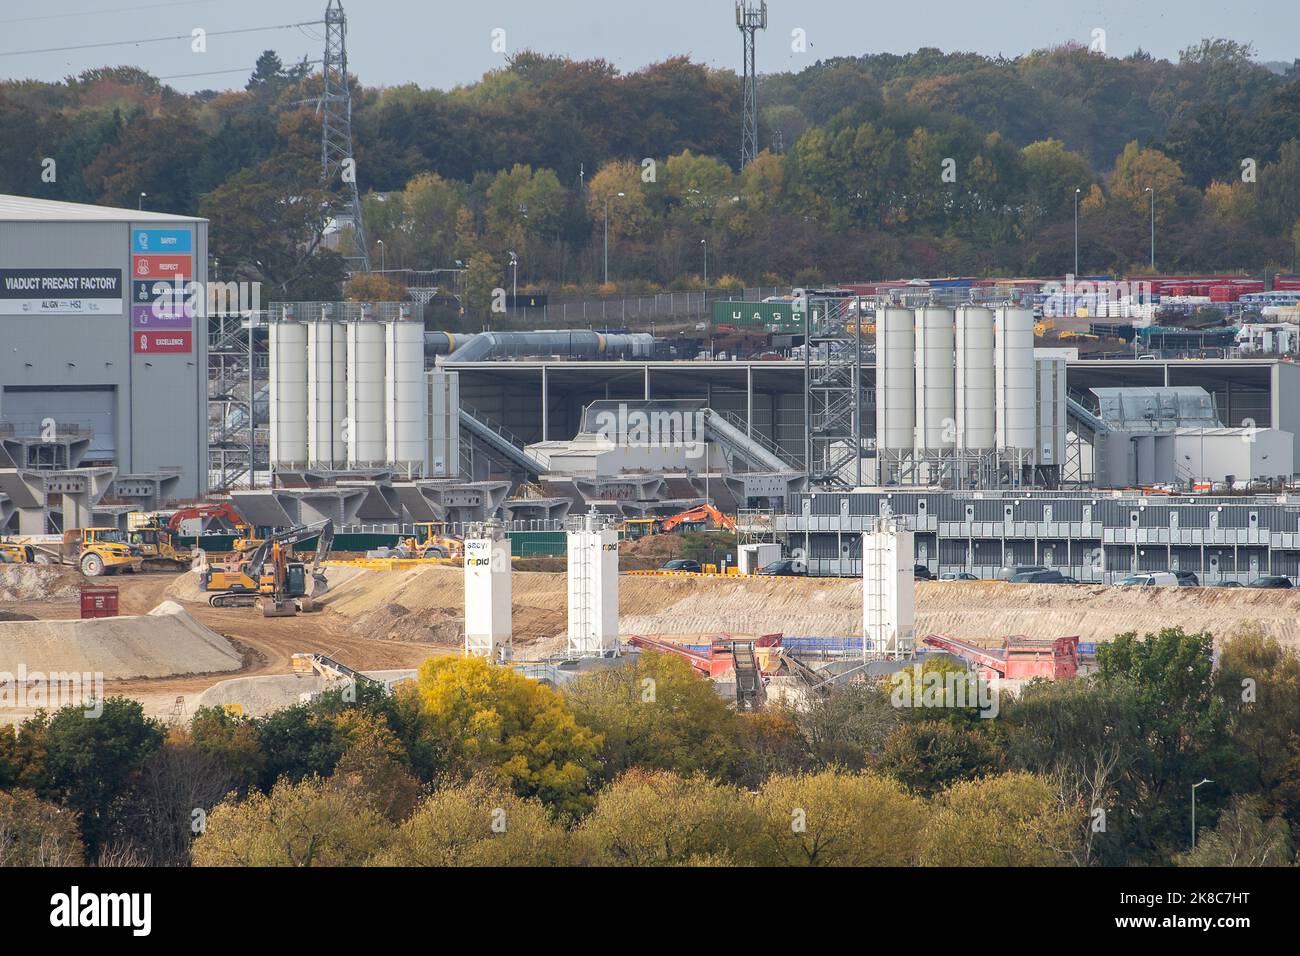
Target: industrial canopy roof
<point x="26" y="209"/>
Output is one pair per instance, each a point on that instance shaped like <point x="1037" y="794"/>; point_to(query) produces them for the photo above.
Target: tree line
<point x="876" y="166"/>
<point x="471" y="764"/>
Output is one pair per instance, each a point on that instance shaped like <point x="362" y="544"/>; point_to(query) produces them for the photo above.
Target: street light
<point x="140" y="205"/>
<point x="620" y="196"/>
<point x="1077" y="191"/>
<point x="1153" y="227"/>
<point x="705" y="244"/>
<point x="382" y="260"/>
<point x="514" y="283"/>
<point x="1194" y="786"/>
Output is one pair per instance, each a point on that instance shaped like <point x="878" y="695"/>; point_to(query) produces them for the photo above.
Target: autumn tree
<point x="1243" y="837"/>
<point x="35" y="832"/>
<point x="477" y="823"/>
<point x="491" y="719"/>
<point x="1014" y="819"/>
<point x="309" y="823"/>
<point x="658" y="818"/>
<point x="832" y="818"/>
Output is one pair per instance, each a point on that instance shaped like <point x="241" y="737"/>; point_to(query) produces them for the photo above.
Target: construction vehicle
<point x="269" y="577"/>
<point x="17" y="552"/>
<point x="431" y="541"/>
<point x="98" y="551"/>
<point x="158" y="534"/>
<point x="703" y="515"/>
<point x="634" y="528"/>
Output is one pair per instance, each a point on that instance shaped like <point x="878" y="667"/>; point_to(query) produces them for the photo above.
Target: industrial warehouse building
<point x="104" y="363"/>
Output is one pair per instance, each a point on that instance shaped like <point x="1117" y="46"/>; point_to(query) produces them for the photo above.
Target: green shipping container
<point x="768" y="316"/>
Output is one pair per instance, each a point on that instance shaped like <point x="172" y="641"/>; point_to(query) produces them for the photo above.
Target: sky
<point x="434" y="43"/>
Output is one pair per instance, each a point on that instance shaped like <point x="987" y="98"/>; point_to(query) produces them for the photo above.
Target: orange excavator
<point x="704" y="514"/>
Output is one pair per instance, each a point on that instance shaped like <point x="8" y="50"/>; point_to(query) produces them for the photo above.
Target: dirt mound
<point x="259" y="696"/>
<point x="163" y="643"/>
<point x="427" y="604"/>
<point x="38" y="582"/>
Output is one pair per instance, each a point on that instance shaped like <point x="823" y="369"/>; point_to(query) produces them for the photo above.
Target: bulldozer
<point x="99" y="551"/>
<point x="269" y="578"/>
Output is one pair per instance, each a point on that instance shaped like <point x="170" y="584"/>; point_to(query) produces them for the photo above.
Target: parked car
<point x="1151" y="579"/>
<point x="1271" y="581"/>
<point x="957" y="576"/>
<point x="682" y="564"/>
<point x="921" y="573"/>
<point x="1042" y="577"/>
<point x="1009" y="572"/>
<point x="1187" y="579"/>
<point x="1229" y="584"/>
<point x="786" y="568"/>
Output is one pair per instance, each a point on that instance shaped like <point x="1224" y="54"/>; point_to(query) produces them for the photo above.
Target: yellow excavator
<point x="99" y="551"/>
<point x="269" y="577"/>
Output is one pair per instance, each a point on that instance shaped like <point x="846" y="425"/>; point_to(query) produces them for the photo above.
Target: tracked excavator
<point x="269" y="578"/>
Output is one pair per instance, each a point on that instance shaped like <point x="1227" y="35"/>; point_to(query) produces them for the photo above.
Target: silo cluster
<point x="347" y="394"/>
<point x="953" y="384"/>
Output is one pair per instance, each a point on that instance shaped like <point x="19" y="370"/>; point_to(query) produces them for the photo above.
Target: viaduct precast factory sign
<point x="61" y="292"/>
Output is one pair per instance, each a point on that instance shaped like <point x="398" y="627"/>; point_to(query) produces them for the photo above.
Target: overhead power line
<point x="245" y="69"/>
<point x="92" y="13"/>
<point x="179" y="36"/>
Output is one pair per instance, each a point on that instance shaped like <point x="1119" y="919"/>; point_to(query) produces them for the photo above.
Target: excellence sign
<point x="152" y="343"/>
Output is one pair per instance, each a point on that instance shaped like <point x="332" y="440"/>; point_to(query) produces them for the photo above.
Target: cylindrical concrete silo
<point x="404" y="395"/>
<point x="895" y="382"/>
<point x="975" y="380"/>
<point x="287" y="400"/>
<point x="936" y="408"/>
<point x="1013" y="359"/>
<point x="327" y="370"/>
<point x="367" y="436"/>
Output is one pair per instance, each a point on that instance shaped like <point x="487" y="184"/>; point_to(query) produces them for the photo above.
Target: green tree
<point x="657" y="714"/>
<point x="1243" y="838"/>
<point x="92" y="763"/>
<point x="268" y="224"/>
<point x="927" y="757"/>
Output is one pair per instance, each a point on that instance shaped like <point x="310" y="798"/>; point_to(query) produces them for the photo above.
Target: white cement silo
<point x="326" y="393"/>
<point x="975" y="379"/>
<point x="405" y="414"/>
<point x="367" y="436"/>
<point x="287" y="399"/>
<point x="936" y="408"/>
<point x="1013" y="358"/>
<point x="895" y="382"/>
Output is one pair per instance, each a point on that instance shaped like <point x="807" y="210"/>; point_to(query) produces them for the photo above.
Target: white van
<point x="1151" y="579"/>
